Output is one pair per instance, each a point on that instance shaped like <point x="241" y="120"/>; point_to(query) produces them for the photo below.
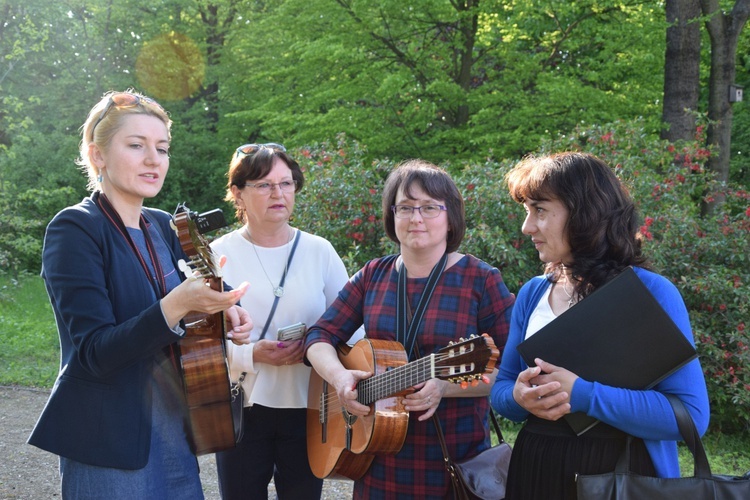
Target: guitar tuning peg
<point x="485" y="379"/>
<point x="464" y="384"/>
<point x="474" y="383"/>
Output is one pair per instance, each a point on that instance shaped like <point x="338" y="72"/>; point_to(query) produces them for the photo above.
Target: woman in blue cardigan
<point x="584" y="225"/>
<point x="117" y="414"/>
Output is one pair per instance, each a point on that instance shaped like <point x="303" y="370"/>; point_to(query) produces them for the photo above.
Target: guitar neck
<point x="396" y="380"/>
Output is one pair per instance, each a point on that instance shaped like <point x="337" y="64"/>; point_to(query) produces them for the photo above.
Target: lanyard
<point x="408" y="337"/>
<point x="159" y="284"/>
<point x="281" y="283"/>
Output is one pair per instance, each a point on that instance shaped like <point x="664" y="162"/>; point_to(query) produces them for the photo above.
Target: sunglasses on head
<point x="249" y="149"/>
<point x="123" y="100"/>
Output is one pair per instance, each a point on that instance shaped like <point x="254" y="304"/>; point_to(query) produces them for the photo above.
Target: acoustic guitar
<point x="202" y="351"/>
<point x="341" y="445"/>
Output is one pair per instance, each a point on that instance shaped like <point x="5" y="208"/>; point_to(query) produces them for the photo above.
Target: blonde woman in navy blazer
<point x="117" y="414"/>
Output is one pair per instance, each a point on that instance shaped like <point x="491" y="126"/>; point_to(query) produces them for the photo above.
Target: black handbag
<point x="624" y="485"/>
<point x="238" y="407"/>
<point x="483" y="476"/>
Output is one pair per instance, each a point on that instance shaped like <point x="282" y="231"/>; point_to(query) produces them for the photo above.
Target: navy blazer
<point x="111" y="334"/>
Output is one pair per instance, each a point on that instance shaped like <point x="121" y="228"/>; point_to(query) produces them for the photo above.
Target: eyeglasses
<point x="268" y="187"/>
<point x="123" y="100"/>
<point x="426" y="211"/>
<point x="249" y="149"/>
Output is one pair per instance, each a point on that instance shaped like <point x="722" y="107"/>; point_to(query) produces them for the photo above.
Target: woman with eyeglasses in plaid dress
<point x="423" y="213"/>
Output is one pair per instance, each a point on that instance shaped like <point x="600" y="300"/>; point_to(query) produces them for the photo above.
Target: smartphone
<point x="291" y="332"/>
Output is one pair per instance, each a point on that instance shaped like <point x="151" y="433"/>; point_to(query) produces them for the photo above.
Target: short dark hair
<point x="244" y="168"/>
<point x="603" y="223"/>
<point x="438" y="184"/>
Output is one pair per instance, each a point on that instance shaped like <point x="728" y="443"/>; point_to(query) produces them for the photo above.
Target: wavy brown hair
<point x="603" y="223"/>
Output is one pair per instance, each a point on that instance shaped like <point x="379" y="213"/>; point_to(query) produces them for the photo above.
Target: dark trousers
<point x="274" y="445"/>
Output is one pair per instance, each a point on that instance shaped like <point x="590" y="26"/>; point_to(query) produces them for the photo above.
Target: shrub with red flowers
<point x="341" y="200"/>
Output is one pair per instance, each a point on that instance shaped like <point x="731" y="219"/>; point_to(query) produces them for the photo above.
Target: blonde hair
<point x="103" y="122"/>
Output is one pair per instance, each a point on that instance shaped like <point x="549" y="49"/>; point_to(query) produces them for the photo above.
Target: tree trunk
<point x="681" y="69"/>
<point x="468" y="25"/>
<point x="723" y="30"/>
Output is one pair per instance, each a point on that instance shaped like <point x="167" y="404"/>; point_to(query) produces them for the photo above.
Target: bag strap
<point x="281" y="284"/>
<point x="457" y="480"/>
<point x="701" y="467"/>
<point x="406" y="329"/>
<point x="691" y="437"/>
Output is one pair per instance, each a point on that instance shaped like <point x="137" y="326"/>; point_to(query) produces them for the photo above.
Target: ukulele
<point x="341" y="445"/>
<point x="202" y="351"/>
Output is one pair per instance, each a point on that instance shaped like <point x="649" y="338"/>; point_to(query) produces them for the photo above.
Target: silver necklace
<point x="277" y="290"/>
<point x="571" y="299"/>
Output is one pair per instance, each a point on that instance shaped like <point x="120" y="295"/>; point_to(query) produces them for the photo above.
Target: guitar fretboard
<point x="395" y="380"/>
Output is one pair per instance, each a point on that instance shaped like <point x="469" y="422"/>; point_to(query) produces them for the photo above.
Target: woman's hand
<point x="552" y="373"/>
<point x="277" y="353"/>
<point x="426" y="398"/>
<point x="194" y="295"/>
<point x="238" y="325"/>
<point x="326" y="363"/>
<point x="545" y="395"/>
<point x="345" y="382"/>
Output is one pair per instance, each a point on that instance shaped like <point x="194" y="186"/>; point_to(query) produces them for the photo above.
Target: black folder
<point x="619" y="336"/>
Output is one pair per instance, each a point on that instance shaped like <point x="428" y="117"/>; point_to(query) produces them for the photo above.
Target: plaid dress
<point x="470" y="298"/>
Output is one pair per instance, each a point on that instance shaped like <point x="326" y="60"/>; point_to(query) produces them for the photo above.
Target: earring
<point x="99" y="178"/>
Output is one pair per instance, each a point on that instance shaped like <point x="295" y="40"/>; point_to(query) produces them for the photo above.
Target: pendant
<point x="278" y="291"/>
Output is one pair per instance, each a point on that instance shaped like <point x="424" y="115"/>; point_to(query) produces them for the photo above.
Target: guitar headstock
<point x="467" y="361"/>
<point x="195" y="245"/>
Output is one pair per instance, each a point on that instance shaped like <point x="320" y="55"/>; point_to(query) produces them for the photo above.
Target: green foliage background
<point x="352" y="87"/>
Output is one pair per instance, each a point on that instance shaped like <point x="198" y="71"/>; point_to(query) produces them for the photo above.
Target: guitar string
<point x="394" y="378"/>
<point x="386" y="379"/>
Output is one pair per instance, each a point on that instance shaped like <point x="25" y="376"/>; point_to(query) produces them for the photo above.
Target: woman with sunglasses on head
<point x="294" y="277"/>
<point x="117" y="413"/>
<point x="584" y="225"/>
<point x="452" y="296"/>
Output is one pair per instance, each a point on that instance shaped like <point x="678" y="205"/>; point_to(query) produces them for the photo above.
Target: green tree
<point x="442" y="79"/>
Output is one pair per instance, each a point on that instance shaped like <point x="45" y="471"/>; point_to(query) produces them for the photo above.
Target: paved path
<point x="29" y="473"/>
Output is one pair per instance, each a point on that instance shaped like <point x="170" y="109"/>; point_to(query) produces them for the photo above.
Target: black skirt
<point x="547" y="456"/>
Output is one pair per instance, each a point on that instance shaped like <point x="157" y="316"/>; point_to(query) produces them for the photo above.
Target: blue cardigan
<point x="644" y="414"/>
<point x="111" y="330"/>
